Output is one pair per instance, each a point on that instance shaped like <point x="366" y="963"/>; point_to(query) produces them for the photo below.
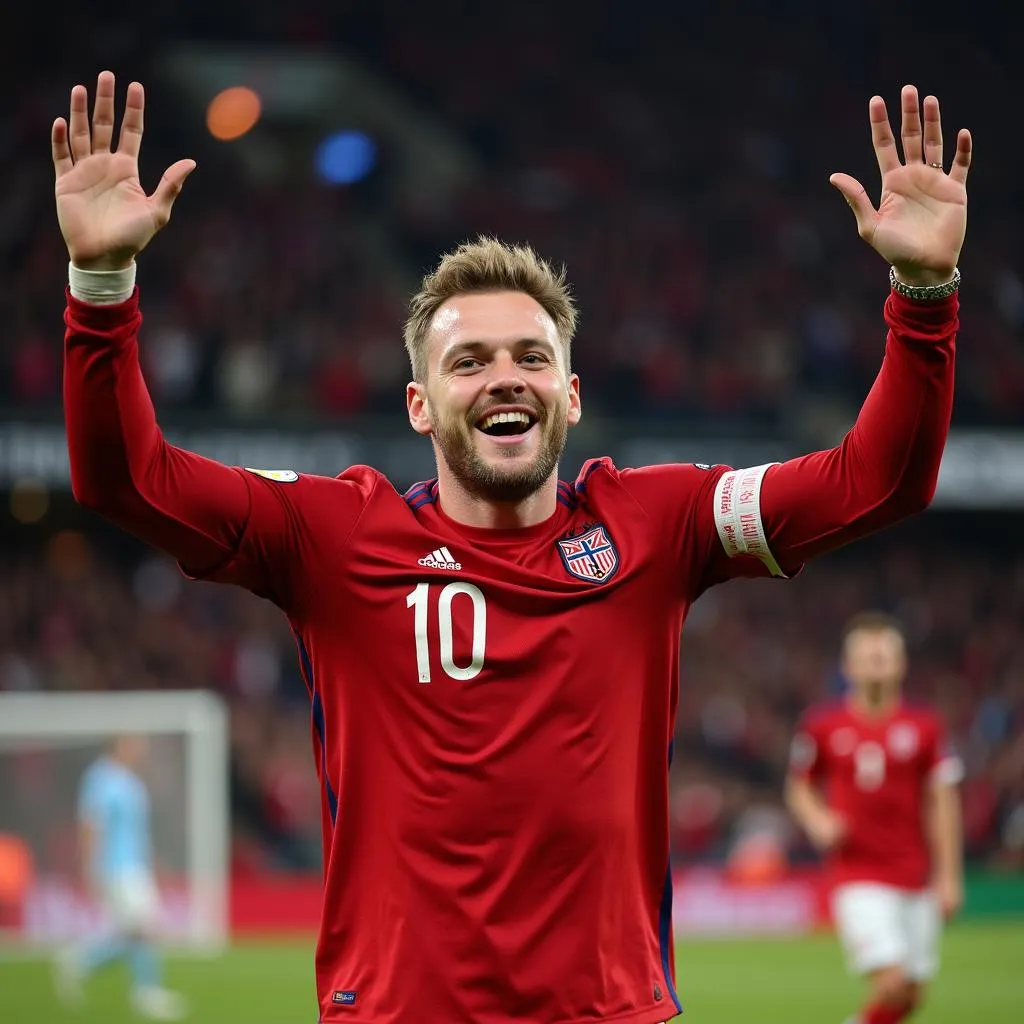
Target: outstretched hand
<point x="921" y="219"/>
<point x="103" y="210"/>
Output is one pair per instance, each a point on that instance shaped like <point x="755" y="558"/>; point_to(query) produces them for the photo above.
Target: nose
<point x="506" y="379"/>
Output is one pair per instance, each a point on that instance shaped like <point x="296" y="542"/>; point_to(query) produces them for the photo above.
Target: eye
<point x="466" y="363"/>
<point x="533" y="359"/>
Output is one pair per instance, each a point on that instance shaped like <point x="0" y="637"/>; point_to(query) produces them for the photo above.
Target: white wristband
<point x="102" y="287"/>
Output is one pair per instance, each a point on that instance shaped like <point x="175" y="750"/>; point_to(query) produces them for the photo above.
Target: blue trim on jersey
<point x="665" y="920"/>
<point x="319" y="723"/>
<point x="566" y="495"/>
<point x="421" y="494"/>
<point x="580" y="486"/>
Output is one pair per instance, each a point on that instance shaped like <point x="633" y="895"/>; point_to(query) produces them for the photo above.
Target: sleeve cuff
<point x="101" y="287"/>
<point x="84" y="317"/>
<point x="935" y="320"/>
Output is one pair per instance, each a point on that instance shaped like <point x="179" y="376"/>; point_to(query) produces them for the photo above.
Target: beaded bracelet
<point x="924" y="293"/>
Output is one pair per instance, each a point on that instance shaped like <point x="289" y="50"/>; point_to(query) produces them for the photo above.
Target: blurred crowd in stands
<point x="678" y="166"/>
<point x="83" y="616"/>
<point x="678" y="163"/>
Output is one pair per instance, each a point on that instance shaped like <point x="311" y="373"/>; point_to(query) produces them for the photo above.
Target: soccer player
<point x="113" y="812"/>
<point x="889" y="818"/>
<point x="492" y="656"/>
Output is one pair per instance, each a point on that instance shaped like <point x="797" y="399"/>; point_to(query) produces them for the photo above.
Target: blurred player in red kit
<point x="492" y="657"/>
<point x="874" y="786"/>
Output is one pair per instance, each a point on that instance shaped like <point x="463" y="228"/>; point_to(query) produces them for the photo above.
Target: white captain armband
<point x="101" y="287"/>
<point x="738" y="515"/>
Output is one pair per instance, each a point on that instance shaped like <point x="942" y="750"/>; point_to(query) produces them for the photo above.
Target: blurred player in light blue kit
<point x="114" y="823"/>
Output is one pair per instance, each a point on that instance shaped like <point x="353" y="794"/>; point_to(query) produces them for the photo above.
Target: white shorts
<point x="882" y="926"/>
<point x="131" y="901"/>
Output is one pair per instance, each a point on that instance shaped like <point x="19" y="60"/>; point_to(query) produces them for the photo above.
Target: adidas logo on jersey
<point x="440" y="558"/>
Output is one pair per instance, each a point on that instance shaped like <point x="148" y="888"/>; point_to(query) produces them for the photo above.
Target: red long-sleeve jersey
<point x="493" y="710"/>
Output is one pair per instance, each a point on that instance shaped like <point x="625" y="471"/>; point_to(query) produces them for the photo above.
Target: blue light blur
<point x="345" y="157"/>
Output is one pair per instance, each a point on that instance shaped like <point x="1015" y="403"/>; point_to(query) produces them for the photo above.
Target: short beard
<point x="456" y="447"/>
<point x="878" y="692"/>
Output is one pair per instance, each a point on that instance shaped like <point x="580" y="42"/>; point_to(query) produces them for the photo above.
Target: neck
<point x="874" y="705"/>
<point x="471" y="510"/>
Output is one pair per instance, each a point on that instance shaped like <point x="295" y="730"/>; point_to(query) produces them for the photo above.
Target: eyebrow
<point x="469" y="346"/>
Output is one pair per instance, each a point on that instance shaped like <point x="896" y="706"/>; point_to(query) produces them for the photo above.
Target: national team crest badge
<point x="590" y="555"/>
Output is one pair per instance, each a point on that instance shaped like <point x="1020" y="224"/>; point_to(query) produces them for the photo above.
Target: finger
<point x="78" y="130"/>
<point x="103" y="113"/>
<point x="130" y="139"/>
<point x="62" y="162"/>
<point x="910" y="131"/>
<point x="858" y="201"/>
<point x="881" y="136"/>
<point x="962" y="160"/>
<point x="932" y="132"/>
<point x="170" y="186"/>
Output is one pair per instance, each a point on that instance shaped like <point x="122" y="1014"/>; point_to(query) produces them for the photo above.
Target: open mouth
<point x="506" y="424"/>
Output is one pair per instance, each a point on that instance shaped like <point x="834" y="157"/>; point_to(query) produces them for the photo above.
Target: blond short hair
<point x="488" y="265"/>
<point x="872" y="622"/>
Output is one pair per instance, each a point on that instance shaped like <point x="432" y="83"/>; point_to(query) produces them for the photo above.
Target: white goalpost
<point x="47" y="740"/>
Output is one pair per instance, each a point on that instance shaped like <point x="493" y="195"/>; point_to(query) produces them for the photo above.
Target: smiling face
<point x="498" y="399"/>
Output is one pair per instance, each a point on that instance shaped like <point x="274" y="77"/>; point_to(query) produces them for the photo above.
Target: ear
<point x="575" y="404"/>
<point x="418" y="408"/>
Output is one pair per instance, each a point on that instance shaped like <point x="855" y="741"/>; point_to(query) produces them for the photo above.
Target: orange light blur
<point x="232" y="113"/>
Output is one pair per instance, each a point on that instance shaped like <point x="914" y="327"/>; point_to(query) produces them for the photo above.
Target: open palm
<point x="921" y="220"/>
<point x="103" y="210"/>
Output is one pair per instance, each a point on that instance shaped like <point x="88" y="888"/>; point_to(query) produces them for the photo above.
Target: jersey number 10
<point x="419" y="600"/>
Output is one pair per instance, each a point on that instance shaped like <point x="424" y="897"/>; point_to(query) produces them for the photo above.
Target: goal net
<point x="47" y="741"/>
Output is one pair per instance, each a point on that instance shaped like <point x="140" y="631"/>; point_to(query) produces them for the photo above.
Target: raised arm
<point x="121" y="465"/>
<point x="887" y="466"/>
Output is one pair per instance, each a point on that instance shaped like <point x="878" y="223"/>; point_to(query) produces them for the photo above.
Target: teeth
<point x="505" y="417"/>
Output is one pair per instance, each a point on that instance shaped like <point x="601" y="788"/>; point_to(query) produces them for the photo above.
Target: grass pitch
<point x="799" y="981"/>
